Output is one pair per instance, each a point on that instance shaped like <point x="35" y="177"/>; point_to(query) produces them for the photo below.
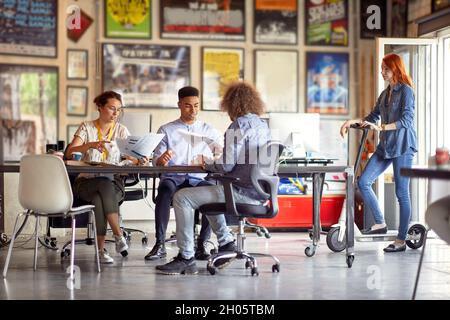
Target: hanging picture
<point x="276" y="78"/>
<point x="128" y="19"/>
<point x="220" y="66"/>
<point x="77" y="99"/>
<point x="28" y="109"/>
<point x="210" y="20"/>
<point x="327" y="82"/>
<point x="437" y="5"/>
<point x="77" y="64"/>
<point x="326" y="22"/>
<point x="275" y="21"/>
<point x="146" y="75"/>
<point x="76" y="29"/>
<point x="399" y="18"/>
<point x="373" y="18"/>
<point x="29" y="28"/>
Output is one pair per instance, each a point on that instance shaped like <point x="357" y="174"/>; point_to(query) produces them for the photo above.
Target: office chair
<point x="45" y="191"/>
<point x="265" y="182"/>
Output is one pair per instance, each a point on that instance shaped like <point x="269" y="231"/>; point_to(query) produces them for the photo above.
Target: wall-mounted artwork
<point x="275" y="21"/>
<point x="276" y="78"/>
<point x="399" y="18"/>
<point x="29" y="28"/>
<point x="77" y="64"/>
<point x="146" y="75"/>
<point x="76" y="29"/>
<point x="128" y="19"/>
<point x="77" y="99"/>
<point x="373" y="16"/>
<point x="220" y="66"/>
<point x="28" y="108"/>
<point x="437" y="5"/>
<point x="209" y="20"/>
<point x="327" y="82"/>
<point x="326" y="22"/>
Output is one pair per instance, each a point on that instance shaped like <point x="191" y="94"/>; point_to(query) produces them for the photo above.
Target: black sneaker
<point x="179" y="265"/>
<point x="158" y="251"/>
<point x="229" y="247"/>
<point x="200" y="251"/>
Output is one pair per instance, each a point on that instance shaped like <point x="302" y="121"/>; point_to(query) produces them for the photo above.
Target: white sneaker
<point x="104" y="257"/>
<point x="121" y="245"/>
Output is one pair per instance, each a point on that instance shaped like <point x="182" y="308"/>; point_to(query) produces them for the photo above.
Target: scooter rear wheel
<point x="333" y="240"/>
<point x="420" y="232"/>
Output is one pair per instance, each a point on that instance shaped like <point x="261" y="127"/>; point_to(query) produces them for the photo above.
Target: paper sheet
<point x="140" y="147"/>
<point x="196" y="137"/>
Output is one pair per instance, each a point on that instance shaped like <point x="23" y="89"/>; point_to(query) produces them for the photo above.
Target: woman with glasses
<point x="95" y="140"/>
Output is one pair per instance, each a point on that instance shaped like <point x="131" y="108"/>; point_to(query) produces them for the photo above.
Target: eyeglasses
<point x="114" y="109"/>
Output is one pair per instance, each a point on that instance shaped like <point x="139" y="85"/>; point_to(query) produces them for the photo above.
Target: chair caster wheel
<point x="276" y="268"/>
<point x="255" y="271"/>
<point x="144" y="240"/>
<point x="267" y="235"/>
<point x="259" y="233"/>
<point x="124" y="253"/>
<point x="65" y="253"/>
<point x="89" y="242"/>
<point x="310" y="251"/>
<point x="248" y="264"/>
<point x="211" y="270"/>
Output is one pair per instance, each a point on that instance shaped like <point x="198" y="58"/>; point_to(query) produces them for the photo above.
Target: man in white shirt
<point x="186" y="140"/>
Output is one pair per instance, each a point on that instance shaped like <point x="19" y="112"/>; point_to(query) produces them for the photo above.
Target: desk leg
<point x="2" y="207"/>
<point x="318" y="181"/>
<point x="350" y="220"/>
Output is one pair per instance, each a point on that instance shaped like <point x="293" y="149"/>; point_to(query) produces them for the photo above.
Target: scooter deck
<point x="388" y="236"/>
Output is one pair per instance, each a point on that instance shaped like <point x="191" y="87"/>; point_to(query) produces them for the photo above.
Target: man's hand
<point x="164" y="159"/>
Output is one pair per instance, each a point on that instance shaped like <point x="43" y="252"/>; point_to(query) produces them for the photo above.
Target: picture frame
<point x="129" y="24"/>
<point x="75" y="33"/>
<point x="147" y="76"/>
<point x="213" y="20"/>
<point x="29" y="117"/>
<point x="77" y="100"/>
<point x="220" y="66"/>
<point x="71" y="129"/>
<point x="368" y="27"/>
<point x="327" y="82"/>
<point x="272" y="69"/>
<point x="437" y="5"/>
<point x="330" y="31"/>
<point x="20" y="38"/>
<point x="399" y="18"/>
<point x="275" y="22"/>
<point x="77" y="64"/>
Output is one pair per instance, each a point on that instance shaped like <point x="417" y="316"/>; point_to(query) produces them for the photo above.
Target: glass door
<point x="420" y="57"/>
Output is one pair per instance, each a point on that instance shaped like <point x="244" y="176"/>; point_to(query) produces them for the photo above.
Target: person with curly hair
<point x="246" y="133"/>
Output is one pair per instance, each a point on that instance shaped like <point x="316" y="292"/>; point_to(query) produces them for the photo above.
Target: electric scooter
<point x="336" y="235"/>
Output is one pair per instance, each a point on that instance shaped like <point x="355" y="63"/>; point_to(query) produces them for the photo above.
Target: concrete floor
<point x="374" y="275"/>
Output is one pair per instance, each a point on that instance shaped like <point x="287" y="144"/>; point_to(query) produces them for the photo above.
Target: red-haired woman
<point x="397" y="146"/>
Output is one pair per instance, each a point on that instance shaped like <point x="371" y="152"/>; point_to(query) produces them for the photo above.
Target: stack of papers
<point x="140" y="147"/>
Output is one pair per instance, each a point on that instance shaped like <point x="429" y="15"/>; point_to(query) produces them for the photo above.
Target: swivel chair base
<point x="241" y="254"/>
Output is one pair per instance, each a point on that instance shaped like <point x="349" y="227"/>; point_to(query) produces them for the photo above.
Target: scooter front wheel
<point x="333" y="240"/>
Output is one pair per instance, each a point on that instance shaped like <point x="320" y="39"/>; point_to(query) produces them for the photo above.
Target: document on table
<point x="140" y="147"/>
<point x="195" y="138"/>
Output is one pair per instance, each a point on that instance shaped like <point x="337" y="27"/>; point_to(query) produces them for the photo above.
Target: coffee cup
<point x="76" y="156"/>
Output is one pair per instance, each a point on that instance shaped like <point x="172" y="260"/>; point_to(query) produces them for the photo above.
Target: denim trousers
<point x="376" y="166"/>
<point x="186" y="200"/>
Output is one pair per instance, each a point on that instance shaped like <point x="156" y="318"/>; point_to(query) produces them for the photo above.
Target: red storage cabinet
<point x="296" y="211"/>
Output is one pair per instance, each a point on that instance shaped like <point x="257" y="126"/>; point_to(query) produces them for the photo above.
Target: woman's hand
<point x="346" y="125"/>
<point x="98" y="145"/>
<point x="371" y="125"/>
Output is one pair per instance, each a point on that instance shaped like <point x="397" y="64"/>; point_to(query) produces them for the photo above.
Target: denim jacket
<point x="403" y="140"/>
<point x="244" y="134"/>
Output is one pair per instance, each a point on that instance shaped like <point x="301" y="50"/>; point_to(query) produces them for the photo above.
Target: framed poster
<point x="71" y="129"/>
<point x="77" y="64"/>
<point x="327" y="82"/>
<point x="209" y="20"/>
<point x="77" y="100"/>
<point x="275" y="21"/>
<point x="326" y="22"/>
<point x="128" y="20"/>
<point x="220" y="66"/>
<point x="75" y="32"/>
<point x="399" y="18"/>
<point x="437" y="5"/>
<point x="146" y="75"/>
<point x="29" y="28"/>
<point x="28" y="109"/>
<point x="373" y="19"/>
<point x="276" y="78"/>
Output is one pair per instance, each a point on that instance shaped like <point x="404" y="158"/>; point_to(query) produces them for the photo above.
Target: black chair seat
<point x="133" y="195"/>
<point x="245" y="210"/>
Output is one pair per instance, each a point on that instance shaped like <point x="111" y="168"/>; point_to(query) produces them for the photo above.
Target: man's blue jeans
<point x="376" y="166"/>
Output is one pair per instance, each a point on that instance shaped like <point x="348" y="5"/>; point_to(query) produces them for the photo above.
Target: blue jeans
<point x="376" y="166"/>
<point x="186" y="200"/>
